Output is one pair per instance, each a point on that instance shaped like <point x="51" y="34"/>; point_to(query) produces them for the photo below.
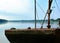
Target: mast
<point x="35" y="12"/>
<point x="49" y="12"/>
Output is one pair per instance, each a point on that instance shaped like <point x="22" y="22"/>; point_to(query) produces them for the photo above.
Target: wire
<point x="44" y="20"/>
<point x="57" y="6"/>
<point x="44" y="13"/>
<point x="41" y="8"/>
<point x="44" y="16"/>
<point x="37" y="14"/>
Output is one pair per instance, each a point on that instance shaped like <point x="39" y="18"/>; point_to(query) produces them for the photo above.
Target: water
<point x="20" y="25"/>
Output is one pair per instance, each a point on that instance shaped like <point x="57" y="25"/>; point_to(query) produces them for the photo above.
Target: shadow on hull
<point x="29" y="38"/>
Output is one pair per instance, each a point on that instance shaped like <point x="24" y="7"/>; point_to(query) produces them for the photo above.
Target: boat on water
<point x="35" y="35"/>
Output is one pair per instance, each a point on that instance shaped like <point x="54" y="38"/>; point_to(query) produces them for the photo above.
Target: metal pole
<point x="35" y="12"/>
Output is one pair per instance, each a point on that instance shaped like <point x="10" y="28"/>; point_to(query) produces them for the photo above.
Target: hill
<point x="3" y="21"/>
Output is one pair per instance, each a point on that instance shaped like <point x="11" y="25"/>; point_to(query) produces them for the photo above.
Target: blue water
<point x="20" y="25"/>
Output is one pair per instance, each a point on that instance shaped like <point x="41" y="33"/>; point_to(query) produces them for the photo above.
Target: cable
<point x="37" y="15"/>
<point x="43" y="20"/>
<point x="57" y="6"/>
<point x="44" y="16"/>
<point x="41" y="8"/>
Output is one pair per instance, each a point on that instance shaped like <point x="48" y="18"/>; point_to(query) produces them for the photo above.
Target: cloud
<point x="15" y="6"/>
<point x="14" y="9"/>
<point x="3" y="17"/>
<point x="9" y="17"/>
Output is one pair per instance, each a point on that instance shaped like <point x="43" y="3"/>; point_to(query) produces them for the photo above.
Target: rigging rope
<point x="37" y="14"/>
<point x="43" y="20"/>
<point x="41" y="8"/>
<point x="57" y="6"/>
<point x="44" y="13"/>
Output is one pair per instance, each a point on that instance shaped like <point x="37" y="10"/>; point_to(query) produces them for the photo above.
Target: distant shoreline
<point x="31" y="20"/>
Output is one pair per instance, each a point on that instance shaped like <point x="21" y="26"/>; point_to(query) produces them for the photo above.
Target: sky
<point x="24" y="9"/>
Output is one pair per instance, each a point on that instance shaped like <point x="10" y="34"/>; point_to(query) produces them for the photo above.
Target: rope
<point x="43" y="20"/>
<point x="44" y="13"/>
<point x="57" y="6"/>
<point x="41" y="8"/>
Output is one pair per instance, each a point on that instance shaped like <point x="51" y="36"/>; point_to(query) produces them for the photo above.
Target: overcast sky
<point x="24" y="9"/>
